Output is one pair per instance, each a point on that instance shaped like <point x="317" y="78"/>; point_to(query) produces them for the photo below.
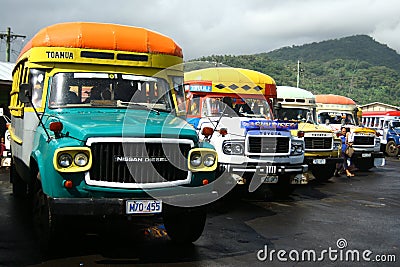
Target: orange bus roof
<point x="105" y="37"/>
<point x="382" y="113"/>
<point x="334" y="99"/>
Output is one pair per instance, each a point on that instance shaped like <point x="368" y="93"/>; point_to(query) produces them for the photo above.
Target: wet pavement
<point x="346" y="215"/>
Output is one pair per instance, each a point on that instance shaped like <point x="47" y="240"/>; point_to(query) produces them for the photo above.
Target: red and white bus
<point x="377" y="119"/>
<point x="387" y="125"/>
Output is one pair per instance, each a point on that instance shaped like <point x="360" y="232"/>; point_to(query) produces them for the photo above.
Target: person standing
<point x="345" y="137"/>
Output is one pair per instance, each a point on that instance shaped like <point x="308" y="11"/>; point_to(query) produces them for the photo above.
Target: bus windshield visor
<point x="109" y="90"/>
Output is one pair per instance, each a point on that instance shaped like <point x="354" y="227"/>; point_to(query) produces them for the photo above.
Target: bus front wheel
<point x="184" y="225"/>
<point x="392" y="150"/>
<point x="19" y="187"/>
<point x="324" y="172"/>
<point x="283" y="188"/>
<point x="44" y="221"/>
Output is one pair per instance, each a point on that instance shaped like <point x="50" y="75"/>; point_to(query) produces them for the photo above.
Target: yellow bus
<point x="337" y="111"/>
<point x="94" y="128"/>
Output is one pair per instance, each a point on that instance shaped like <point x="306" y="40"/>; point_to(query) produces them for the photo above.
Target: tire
<point x="391" y="149"/>
<point x="19" y="187"/>
<point x="44" y="222"/>
<point x="364" y="164"/>
<point x="184" y="225"/>
<point x="283" y="188"/>
<point x="324" y="172"/>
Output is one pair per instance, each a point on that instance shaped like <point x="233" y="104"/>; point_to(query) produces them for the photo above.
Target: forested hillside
<point x="356" y="66"/>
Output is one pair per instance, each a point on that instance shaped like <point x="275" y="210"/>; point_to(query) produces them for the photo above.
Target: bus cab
<point x="94" y="129"/>
<point x="337" y="111"/>
<point x="322" y="147"/>
<point x="237" y="105"/>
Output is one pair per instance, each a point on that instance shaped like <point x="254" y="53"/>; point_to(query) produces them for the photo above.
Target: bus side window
<point x="179" y="93"/>
<point x="36" y="80"/>
<point x="194" y="106"/>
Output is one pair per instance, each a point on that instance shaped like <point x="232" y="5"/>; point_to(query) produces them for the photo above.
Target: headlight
<point x="336" y="145"/>
<point x="232" y="148"/>
<point x="195" y="159"/>
<point x="72" y="159"/>
<point x="202" y="160"/>
<point x="209" y="160"/>
<point x="81" y="159"/>
<point x="297" y="148"/>
<point x="65" y="160"/>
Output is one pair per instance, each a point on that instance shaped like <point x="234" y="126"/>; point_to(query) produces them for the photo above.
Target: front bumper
<point x="378" y="158"/>
<point x="368" y="154"/>
<point x="117" y="206"/>
<point x="265" y="169"/>
<point x="321" y="161"/>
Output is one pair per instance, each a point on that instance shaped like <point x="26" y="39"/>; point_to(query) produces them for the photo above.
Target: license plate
<point x="319" y="161"/>
<point x="366" y="155"/>
<point x="270" y="179"/>
<point x="143" y="206"/>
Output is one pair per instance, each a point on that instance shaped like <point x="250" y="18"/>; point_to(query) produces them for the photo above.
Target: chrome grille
<point x="148" y="162"/>
<point x="268" y="144"/>
<point x="318" y="142"/>
<point x="364" y="140"/>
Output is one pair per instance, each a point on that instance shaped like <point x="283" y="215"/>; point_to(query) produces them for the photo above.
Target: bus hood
<point x="364" y="130"/>
<point x="138" y="123"/>
<point x="312" y="128"/>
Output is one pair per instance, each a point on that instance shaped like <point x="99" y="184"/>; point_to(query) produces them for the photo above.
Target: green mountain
<point x="358" y="48"/>
<point x="357" y="67"/>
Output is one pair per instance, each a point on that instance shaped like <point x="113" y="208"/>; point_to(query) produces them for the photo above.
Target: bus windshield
<point x="295" y="114"/>
<point x="227" y="106"/>
<point x="396" y="124"/>
<point x="108" y="90"/>
<point x="336" y="118"/>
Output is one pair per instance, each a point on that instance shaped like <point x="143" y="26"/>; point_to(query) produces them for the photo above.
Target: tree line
<point x="357" y="67"/>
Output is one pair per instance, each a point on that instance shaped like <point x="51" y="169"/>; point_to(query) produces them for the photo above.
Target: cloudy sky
<point x="206" y="27"/>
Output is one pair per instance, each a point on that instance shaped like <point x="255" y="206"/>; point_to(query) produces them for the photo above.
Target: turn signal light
<point x="56" y="126"/>
<point x="300" y="134"/>
<point x="207" y="131"/>
<point x="68" y="184"/>
<point x="223" y="131"/>
<point x="205" y="182"/>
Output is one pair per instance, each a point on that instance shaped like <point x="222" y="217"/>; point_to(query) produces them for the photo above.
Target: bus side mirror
<point x="25" y="93"/>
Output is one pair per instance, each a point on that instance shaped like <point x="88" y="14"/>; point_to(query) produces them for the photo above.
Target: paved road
<point x="343" y="217"/>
